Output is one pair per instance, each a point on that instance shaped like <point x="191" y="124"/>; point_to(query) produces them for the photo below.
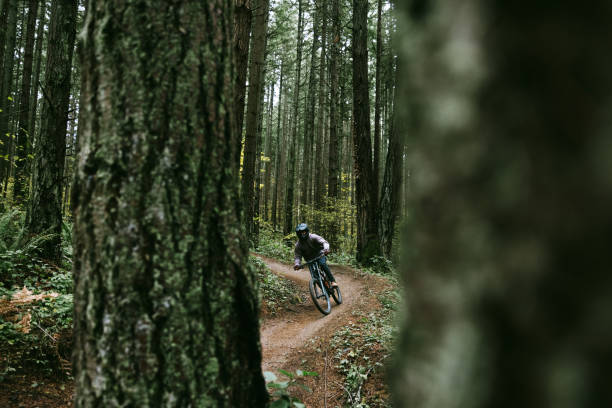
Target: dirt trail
<point x="286" y="335"/>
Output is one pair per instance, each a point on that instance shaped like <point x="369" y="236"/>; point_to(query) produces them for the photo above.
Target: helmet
<point x="302" y="231"/>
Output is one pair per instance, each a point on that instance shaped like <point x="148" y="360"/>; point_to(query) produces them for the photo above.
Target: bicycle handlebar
<point x="311" y="261"/>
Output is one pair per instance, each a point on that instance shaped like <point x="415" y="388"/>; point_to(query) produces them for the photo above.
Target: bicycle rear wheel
<point x="320" y="297"/>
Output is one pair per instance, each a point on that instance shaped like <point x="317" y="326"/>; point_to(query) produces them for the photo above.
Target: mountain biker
<point x="311" y="246"/>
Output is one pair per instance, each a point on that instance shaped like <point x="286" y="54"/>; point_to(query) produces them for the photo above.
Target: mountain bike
<point x="321" y="288"/>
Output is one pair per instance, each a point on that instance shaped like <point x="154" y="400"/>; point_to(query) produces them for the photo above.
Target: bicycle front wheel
<point x="335" y="292"/>
<point x="320" y="297"/>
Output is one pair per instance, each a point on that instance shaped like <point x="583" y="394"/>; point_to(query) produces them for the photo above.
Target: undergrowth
<point x="362" y="349"/>
<point x="36" y="302"/>
<point x="275" y="293"/>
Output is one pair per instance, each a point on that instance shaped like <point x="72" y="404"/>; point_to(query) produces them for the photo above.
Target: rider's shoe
<point x="334" y="285"/>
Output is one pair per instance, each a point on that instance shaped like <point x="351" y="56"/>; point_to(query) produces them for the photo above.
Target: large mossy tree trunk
<point x="45" y="205"/>
<point x="166" y="310"/>
<point x="509" y="274"/>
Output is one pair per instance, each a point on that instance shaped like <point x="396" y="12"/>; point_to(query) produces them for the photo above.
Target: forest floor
<point x="346" y="349"/>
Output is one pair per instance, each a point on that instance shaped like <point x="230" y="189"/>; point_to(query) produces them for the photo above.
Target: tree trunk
<point x="242" y="38"/>
<point x="509" y="273"/>
<point x="256" y="79"/>
<point x="390" y="198"/>
<point x="23" y="133"/>
<point x="377" y="104"/>
<point x="334" y="138"/>
<point x="309" y="128"/>
<point x="166" y="312"/>
<point x="367" y="225"/>
<point x="279" y="150"/>
<point x="268" y="154"/>
<point x="36" y="76"/>
<point x="293" y="143"/>
<point x="319" y="171"/>
<point x="45" y="204"/>
<point x="7" y="85"/>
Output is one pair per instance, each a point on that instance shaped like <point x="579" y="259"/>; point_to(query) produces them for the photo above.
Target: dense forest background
<point x="293" y="102"/>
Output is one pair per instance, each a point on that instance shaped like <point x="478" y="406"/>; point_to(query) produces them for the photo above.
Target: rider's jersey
<point x="310" y="248"/>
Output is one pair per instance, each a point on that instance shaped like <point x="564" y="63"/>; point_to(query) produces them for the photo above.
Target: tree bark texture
<point x="509" y="269"/>
<point x="45" y="204"/>
<point x="23" y="134"/>
<point x="367" y="226"/>
<point x="254" y="107"/>
<point x="295" y="122"/>
<point x="166" y="311"/>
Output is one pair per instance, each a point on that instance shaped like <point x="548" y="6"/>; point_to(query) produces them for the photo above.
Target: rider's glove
<point x="296" y="267"/>
<point x="325" y="251"/>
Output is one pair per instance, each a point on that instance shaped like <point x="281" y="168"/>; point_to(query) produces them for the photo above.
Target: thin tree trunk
<point x="280" y="142"/>
<point x="256" y="77"/>
<point x="165" y="307"/>
<point x="45" y="204"/>
<point x="23" y="133"/>
<point x="242" y="38"/>
<point x="295" y="119"/>
<point x="40" y="34"/>
<point x="334" y="137"/>
<point x="367" y="225"/>
<point x="390" y="199"/>
<point x="7" y="84"/>
<point x="377" y="104"/>
<point x="268" y="153"/>
<point x="319" y="188"/>
<point x="309" y="129"/>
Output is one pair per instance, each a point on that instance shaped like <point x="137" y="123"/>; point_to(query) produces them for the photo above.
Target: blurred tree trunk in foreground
<point x="508" y="279"/>
<point x="166" y="313"/>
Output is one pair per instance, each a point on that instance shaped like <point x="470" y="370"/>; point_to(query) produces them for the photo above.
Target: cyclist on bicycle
<point x="311" y="246"/>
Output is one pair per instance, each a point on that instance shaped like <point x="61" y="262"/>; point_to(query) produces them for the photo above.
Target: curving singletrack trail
<point x="285" y="335"/>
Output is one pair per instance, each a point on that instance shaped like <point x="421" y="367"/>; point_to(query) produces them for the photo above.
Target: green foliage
<point x="19" y="261"/>
<point x="281" y="398"/>
<point x="36" y="335"/>
<point x="274" y="291"/>
<point x="332" y="221"/>
<point x="363" y="346"/>
<point x="273" y="244"/>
